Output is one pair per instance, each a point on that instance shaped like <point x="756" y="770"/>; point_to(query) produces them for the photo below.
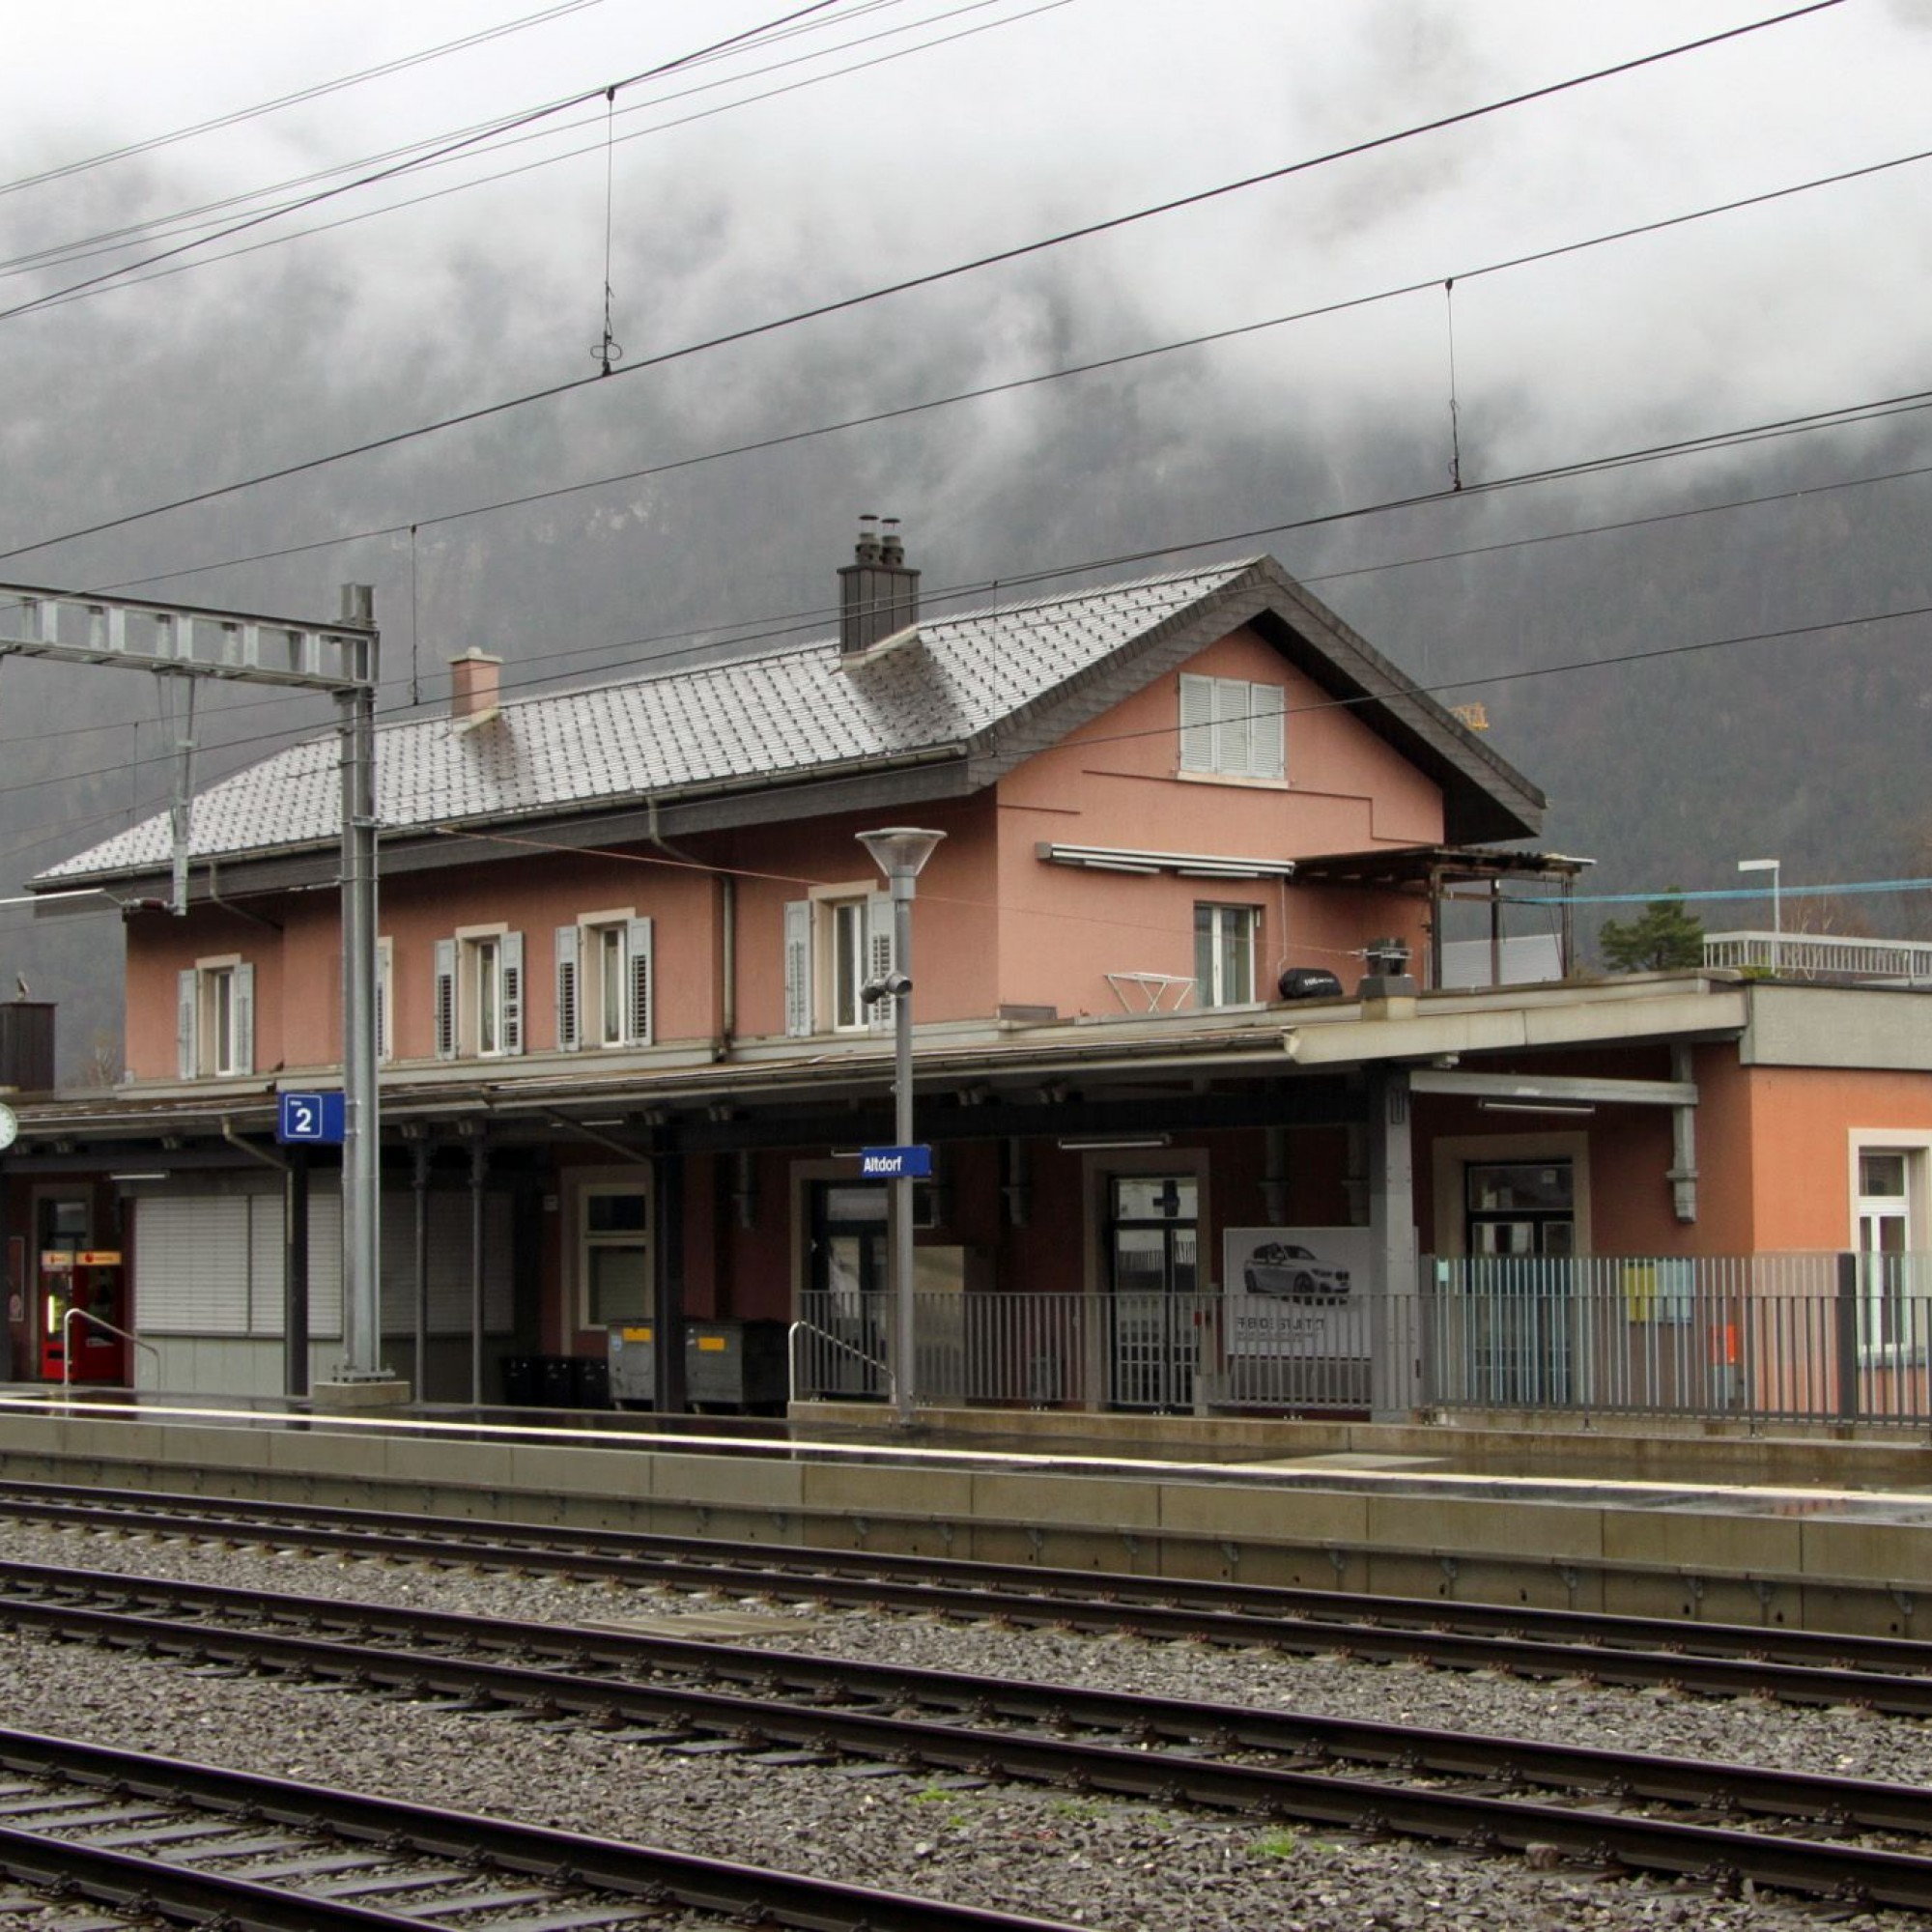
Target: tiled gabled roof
<point x="781" y="714"/>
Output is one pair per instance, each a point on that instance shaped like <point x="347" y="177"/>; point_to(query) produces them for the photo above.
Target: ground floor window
<point x="1520" y="1208"/>
<point x="613" y="1252"/>
<point x="1894" y="1275"/>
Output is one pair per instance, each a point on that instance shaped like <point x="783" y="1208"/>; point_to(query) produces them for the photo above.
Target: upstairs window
<point x="479" y="994"/>
<point x="605" y="983"/>
<point x="1232" y="728"/>
<point x="1225" y="940"/>
<point x="214" y="1019"/>
<point x="834" y="942"/>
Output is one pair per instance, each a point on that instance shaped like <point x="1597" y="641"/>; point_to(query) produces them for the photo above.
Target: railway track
<point x="1806" y="1833"/>
<point x="189" y="1843"/>
<point x="1889" y="1674"/>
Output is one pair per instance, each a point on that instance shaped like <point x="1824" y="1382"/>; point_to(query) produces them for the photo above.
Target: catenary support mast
<point x="183" y="641"/>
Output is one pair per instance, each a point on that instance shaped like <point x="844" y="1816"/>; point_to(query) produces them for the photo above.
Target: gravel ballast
<point x="1098" y="1862"/>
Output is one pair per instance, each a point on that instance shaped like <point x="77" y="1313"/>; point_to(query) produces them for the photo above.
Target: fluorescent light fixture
<point x="1112" y="1143"/>
<point x="156" y="1174"/>
<point x="1535" y="1107"/>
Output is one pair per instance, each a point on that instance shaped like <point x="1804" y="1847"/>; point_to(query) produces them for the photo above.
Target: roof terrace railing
<point x="1804" y="956"/>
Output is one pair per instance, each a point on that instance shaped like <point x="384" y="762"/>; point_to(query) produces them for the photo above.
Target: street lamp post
<point x="901" y="852"/>
<point x="1774" y="868"/>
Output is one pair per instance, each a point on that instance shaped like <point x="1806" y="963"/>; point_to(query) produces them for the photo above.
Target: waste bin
<point x="519" y="1382"/>
<point x="552" y="1381"/>
<point x="589" y="1382"/>
<point x="737" y="1365"/>
<point x="632" y="1366"/>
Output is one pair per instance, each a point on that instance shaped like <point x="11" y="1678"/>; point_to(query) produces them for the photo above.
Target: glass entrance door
<point x="1153" y="1334"/>
<point x="1521" y="1225"/>
<point x="848" y="1288"/>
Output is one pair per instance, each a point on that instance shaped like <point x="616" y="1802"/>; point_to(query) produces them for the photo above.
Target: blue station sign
<point x="896" y="1163"/>
<point x="310" y="1120"/>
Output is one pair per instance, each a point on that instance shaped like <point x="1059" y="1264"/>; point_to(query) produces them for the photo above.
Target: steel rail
<point x="1164" y="1774"/>
<point x="1891" y="1674"/>
<point x="566" y="1862"/>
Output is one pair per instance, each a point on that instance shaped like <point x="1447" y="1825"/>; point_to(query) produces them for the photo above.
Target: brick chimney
<point x="878" y="596"/>
<point x="473" y="688"/>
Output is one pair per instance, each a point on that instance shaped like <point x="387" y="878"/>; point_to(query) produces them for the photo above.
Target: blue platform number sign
<point x="894" y="1163"/>
<point x="310" y="1120"/>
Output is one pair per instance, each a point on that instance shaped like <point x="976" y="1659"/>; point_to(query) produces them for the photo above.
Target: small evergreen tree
<point x="1669" y="935"/>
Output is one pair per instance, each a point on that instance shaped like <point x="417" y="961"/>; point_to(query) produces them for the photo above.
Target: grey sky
<point x="1081" y="111"/>
<point x="1059" y="116"/>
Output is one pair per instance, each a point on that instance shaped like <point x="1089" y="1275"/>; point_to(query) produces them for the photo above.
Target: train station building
<point x="1222" y="1115"/>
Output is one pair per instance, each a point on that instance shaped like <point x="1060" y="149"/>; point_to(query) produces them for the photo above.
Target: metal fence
<point x="1818" y="1337"/>
<point x="1804" y="956"/>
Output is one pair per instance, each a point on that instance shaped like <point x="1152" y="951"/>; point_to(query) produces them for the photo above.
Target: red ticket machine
<point x="93" y="1299"/>
<point x="75" y="1281"/>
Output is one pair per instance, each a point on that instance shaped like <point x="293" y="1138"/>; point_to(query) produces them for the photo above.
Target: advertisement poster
<point x="1300" y="1292"/>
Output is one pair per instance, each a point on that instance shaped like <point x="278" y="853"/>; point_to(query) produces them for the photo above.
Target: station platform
<point x="1800" y="1531"/>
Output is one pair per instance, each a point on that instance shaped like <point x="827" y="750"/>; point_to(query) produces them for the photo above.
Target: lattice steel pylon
<point x="192" y="642"/>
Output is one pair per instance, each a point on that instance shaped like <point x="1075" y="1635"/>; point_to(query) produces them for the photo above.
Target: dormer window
<point x="1233" y="729"/>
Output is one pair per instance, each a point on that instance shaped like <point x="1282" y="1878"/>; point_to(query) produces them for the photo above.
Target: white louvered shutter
<point x="569" y="990"/>
<point x="879" y="956"/>
<point x="1233" y="696"/>
<point x="513" y="992"/>
<point x="1267" y="713"/>
<point x="188" y="989"/>
<point x="798" y="967"/>
<point x="639" y="1017"/>
<point x="1197" y="723"/>
<point x="245" y="1018"/>
<point x="445" y="998"/>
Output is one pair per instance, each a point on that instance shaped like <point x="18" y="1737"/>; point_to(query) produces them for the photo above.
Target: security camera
<point x="888" y="986"/>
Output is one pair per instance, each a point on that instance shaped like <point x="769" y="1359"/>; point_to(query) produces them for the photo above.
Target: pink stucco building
<point x="625" y="1063"/>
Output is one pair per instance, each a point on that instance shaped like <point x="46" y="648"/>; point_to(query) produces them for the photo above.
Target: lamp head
<point x="900" y="851"/>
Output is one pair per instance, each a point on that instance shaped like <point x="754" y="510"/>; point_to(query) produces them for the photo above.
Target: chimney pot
<point x="475" y="684"/>
<point x="878" y="595"/>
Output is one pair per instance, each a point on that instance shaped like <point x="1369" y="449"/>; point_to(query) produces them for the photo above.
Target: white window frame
<point x="595" y="1007"/>
<point x="1894" y="1307"/>
<point x="1233" y="728"/>
<point x="479" y="978"/>
<point x="1210" y="987"/>
<point x="215" y="1028"/>
<point x="602" y="1183"/>
<point x="836" y="940"/>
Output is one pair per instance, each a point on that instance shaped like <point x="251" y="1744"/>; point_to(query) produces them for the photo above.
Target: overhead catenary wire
<point x="710" y="638"/>
<point x="316" y="91"/>
<point x="455" y="146"/>
<point x="184" y="220"/>
<point x="802" y="624"/>
<point x="930" y="278"/>
<point x="986" y="391"/>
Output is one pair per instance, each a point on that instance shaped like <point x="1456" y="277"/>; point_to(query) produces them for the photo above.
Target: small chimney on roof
<point x="473" y="686"/>
<point x="878" y="596"/>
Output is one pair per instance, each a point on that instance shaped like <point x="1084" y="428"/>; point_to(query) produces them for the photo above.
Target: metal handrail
<point x="885" y="1368"/>
<point x="100" y="1321"/>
